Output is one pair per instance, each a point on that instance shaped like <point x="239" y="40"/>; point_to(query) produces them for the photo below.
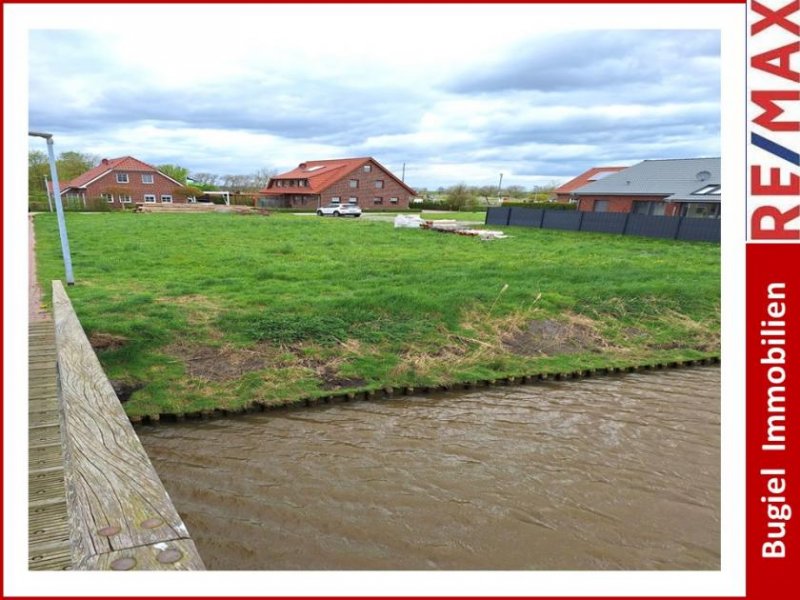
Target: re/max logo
<point x="774" y="197"/>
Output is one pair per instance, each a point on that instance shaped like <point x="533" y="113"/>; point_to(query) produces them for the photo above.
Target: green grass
<point x="457" y="215"/>
<point x="217" y="310"/>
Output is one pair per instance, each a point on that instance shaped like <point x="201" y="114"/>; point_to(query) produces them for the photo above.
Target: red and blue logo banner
<point x="773" y="299"/>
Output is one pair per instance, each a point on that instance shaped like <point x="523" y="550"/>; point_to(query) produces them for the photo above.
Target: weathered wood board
<point x="116" y="500"/>
<point x="48" y="528"/>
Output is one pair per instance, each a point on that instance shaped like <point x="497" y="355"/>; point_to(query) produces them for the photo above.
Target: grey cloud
<point x="597" y="60"/>
<point x="76" y="91"/>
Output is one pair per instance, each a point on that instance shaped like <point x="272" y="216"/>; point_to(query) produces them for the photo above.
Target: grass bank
<point x="194" y="312"/>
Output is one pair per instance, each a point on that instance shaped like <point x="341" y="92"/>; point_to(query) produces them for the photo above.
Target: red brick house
<point x="688" y="187"/>
<point x="123" y="181"/>
<point x="360" y="181"/>
<point x="564" y="192"/>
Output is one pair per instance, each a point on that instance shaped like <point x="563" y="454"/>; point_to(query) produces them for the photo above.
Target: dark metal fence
<point x="674" y="228"/>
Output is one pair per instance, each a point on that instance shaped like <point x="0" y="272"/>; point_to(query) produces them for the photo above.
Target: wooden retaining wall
<point x="391" y="392"/>
<point x="120" y="515"/>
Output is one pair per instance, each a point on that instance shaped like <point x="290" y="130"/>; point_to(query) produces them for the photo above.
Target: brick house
<point x="123" y="181"/>
<point x="688" y="187"/>
<point x="360" y="181"/>
<point x="564" y="192"/>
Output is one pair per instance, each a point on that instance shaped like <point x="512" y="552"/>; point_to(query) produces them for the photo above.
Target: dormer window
<point x="122" y="178"/>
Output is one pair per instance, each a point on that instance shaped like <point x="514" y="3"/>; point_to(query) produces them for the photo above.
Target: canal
<point x="617" y="472"/>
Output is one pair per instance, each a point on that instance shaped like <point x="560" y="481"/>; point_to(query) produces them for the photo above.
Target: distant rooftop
<point x="678" y="180"/>
<point x="593" y="174"/>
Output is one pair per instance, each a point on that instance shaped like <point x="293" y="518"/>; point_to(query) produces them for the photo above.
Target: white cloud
<point x="282" y="84"/>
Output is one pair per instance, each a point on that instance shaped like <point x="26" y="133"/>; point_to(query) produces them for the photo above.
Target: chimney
<point x="104" y="161"/>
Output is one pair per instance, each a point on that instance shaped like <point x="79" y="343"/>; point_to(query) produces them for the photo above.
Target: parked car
<point x="339" y="210"/>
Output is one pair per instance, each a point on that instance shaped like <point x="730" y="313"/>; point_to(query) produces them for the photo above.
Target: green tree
<point x="70" y="164"/>
<point x="176" y="172"/>
<point x="38" y="169"/>
<point x="460" y="197"/>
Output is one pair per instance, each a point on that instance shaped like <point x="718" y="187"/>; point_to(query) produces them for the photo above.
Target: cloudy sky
<point x="537" y="106"/>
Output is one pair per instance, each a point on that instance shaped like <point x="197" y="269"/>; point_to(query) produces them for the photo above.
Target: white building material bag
<point x="408" y="221"/>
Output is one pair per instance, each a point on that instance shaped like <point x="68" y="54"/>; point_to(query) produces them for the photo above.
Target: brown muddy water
<point x="616" y="472"/>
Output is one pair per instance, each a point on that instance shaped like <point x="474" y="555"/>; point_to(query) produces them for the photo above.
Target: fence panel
<point x="604" y="222"/>
<point x="699" y="230"/>
<point x="526" y="217"/>
<point x="653" y="226"/>
<point x="558" y="219"/>
<point x="681" y="228"/>
<point x="497" y="215"/>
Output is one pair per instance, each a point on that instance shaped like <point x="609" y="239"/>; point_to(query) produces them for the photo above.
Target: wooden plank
<point x="116" y="500"/>
<point x="176" y="555"/>
<point x="48" y="526"/>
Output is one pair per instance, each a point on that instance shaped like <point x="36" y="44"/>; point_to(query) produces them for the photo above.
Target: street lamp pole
<point x="62" y="227"/>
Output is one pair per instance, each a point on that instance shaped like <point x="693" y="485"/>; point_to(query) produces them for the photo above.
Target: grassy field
<point x="192" y="312"/>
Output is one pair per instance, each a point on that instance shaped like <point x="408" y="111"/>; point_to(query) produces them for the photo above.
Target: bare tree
<point x="205" y="178"/>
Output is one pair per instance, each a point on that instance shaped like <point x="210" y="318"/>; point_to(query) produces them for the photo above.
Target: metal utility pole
<point x="403" y="177"/>
<point x="47" y="191"/>
<point x="499" y="185"/>
<point x="62" y="227"/>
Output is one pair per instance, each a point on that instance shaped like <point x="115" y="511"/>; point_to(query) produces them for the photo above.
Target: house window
<point x="122" y="178"/>
<point x="367" y="168"/>
<point x="379" y="184"/>
<point x="601" y="206"/>
<point x="149" y="198"/>
<point x="354" y="183"/>
<point x="377" y="200"/>
<point x="352" y="200"/>
<point x="166" y="199"/>
<point x="335" y="200"/>
<point x="107" y="197"/>
<point x="701" y="210"/>
<point x="709" y="189"/>
<point x="125" y="198"/>
<point x="303" y="183"/>
<point x="147" y="178"/>
<point x="643" y="207"/>
<point x="393" y="200"/>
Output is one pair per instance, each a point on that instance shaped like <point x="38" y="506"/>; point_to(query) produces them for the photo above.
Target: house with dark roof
<point x="123" y="181"/>
<point x="564" y="192"/>
<point x="363" y="182"/>
<point x="688" y="187"/>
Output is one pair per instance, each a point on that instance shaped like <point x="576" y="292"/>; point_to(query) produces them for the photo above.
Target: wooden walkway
<point x="120" y="515"/>
<point x="94" y="500"/>
<point x="48" y="536"/>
